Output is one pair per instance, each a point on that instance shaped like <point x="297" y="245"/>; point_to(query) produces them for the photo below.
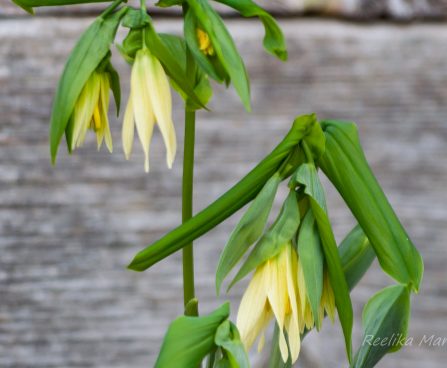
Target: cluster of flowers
<point x="278" y="290"/>
<point x="149" y="102"/>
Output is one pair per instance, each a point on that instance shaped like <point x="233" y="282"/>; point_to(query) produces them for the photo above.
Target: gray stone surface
<point x="67" y="233"/>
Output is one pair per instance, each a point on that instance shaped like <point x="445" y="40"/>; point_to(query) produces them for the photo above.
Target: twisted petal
<point x="292" y="323"/>
<point x="277" y="296"/>
<point x="84" y="109"/>
<point x="141" y="102"/>
<point x="162" y="106"/>
<point x="253" y="314"/>
<point x="104" y="130"/>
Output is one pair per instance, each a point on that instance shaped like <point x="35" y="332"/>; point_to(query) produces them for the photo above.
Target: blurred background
<point x="67" y="232"/>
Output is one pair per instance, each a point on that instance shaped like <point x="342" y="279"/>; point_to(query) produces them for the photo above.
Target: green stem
<point x="187" y="200"/>
<point x="235" y="198"/>
<point x="112" y="7"/>
<point x="191" y="305"/>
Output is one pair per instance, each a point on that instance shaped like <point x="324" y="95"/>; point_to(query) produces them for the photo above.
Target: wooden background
<point x="67" y="233"/>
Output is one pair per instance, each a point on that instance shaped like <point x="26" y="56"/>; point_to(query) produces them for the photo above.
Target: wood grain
<point x="67" y="233"/>
<point x="402" y="10"/>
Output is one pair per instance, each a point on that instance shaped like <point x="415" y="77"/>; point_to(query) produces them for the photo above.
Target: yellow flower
<point x="278" y="290"/>
<point x="149" y="102"/>
<point x="204" y="42"/>
<point x="90" y="111"/>
<point x="272" y="292"/>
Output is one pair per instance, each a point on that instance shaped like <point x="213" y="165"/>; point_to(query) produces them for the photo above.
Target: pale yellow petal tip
<point x="170" y="162"/>
<point x="146" y="165"/>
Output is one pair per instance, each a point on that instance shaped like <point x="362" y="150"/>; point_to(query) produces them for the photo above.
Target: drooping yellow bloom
<point x="278" y="290"/>
<point x="272" y="292"/>
<point x="149" y="102"/>
<point x="90" y="111"/>
<point x="204" y="42"/>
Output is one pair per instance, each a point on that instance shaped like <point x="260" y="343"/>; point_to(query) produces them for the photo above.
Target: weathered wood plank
<point x="355" y="9"/>
<point x="66" y="233"/>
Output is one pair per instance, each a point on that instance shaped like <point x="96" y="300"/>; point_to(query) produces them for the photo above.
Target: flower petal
<point x="141" y="101"/>
<point x="162" y="106"/>
<point x="292" y="325"/>
<point x="252" y="310"/>
<point x="104" y="109"/>
<point x="84" y="108"/>
<point x="277" y="296"/>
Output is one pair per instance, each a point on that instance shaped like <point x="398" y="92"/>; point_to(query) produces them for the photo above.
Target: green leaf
<point x="90" y="50"/>
<point x="274" y="41"/>
<point x="234" y="199"/>
<point x="224" y="47"/>
<point x="307" y="176"/>
<point x="168" y="3"/>
<point x="115" y="86"/>
<point x="282" y="231"/>
<point x="385" y="323"/>
<point x="275" y="357"/>
<point x="316" y="141"/>
<point x="202" y="87"/>
<point x="171" y="64"/>
<point x="248" y="230"/>
<point x="356" y="255"/>
<point x="131" y="44"/>
<point x="228" y="339"/>
<point x="206" y="63"/>
<point x="135" y="19"/>
<point x="28" y="5"/>
<point x="346" y="167"/>
<point x="189" y="339"/>
<point x="312" y="261"/>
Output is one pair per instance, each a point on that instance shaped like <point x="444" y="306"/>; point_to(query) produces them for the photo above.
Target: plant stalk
<point x="187" y="206"/>
<point x="191" y="305"/>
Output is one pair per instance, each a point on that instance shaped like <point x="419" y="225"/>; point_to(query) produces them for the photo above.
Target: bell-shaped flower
<point x="149" y="102"/>
<point x="90" y="111"/>
<point x="273" y="293"/>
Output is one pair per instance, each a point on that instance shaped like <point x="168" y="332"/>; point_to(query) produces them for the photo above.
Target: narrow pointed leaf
<point x="28" y="5"/>
<point x="234" y="199"/>
<point x="307" y="176"/>
<point x="168" y="3"/>
<point x="202" y="87"/>
<point x="274" y="41"/>
<point x="189" y="339"/>
<point x="248" y="230"/>
<point x="204" y="61"/>
<point x="171" y="64"/>
<point x="115" y="86"/>
<point x="346" y="167"/>
<point x="228" y="339"/>
<point x="90" y="50"/>
<point x="275" y="358"/>
<point x="271" y="243"/>
<point x="312" y="261"/>
<point x="385" y="323"/>
<point x="356" y="255"/>
<point x="224" y="46"/>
